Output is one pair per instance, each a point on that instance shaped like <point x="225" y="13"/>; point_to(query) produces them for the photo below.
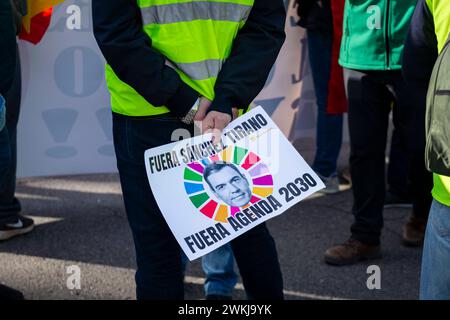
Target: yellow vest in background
<point x="440" y="9"/>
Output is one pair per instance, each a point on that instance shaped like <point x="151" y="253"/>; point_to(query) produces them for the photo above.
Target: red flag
<point x="38" y="28"/>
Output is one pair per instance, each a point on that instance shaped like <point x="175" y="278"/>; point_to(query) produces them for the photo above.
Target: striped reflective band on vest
<point x="190" y="11"/>
<point x="196" y="10"/>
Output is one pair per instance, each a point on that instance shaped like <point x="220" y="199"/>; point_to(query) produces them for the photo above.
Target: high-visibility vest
<point x="195" y="36"/>
<point x="440" y="11"/>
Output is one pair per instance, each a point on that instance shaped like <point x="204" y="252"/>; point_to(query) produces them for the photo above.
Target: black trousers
<point x="160" y="273"/>
<point x="371" y="95"/>
<point x="398" y="181"/>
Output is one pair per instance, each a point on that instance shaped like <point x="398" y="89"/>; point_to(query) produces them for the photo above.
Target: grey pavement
<point x="81" y="221"/>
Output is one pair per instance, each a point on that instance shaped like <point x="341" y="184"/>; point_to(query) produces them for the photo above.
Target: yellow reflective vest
<point x="195" y="37"/>
<point x="440" y="10"/>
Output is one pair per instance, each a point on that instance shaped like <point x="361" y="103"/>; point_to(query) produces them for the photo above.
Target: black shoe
<point x="7" y="293"/>
<point x="22" y="226"/>
<point x="393" y="200"/>
<point x="218" y="297"/>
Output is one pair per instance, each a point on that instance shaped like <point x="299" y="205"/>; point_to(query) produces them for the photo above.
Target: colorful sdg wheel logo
<point x="260" y="184"/>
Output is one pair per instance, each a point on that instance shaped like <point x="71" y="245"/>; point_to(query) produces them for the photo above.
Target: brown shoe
<point x="351" y="252"/>
<point x="414" y="232"/>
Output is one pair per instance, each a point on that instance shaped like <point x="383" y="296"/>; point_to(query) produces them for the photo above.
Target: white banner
<point x="227" y="189"/>
<point x="65" y="123"/>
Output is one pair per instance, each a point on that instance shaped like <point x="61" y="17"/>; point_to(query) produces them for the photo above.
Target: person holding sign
<point x="170" y="63"/>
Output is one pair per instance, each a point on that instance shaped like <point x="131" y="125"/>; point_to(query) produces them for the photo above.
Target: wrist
<point x="223" y="102"/>
<point x="182" y="100"/>
<point x="189" y="117"/>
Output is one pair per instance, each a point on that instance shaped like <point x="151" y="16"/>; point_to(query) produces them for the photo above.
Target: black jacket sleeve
<point x="420" y="51"/>
<point x="254" y="52"/>
<point x="8" y="46"/>
<point x="125" y="46"/>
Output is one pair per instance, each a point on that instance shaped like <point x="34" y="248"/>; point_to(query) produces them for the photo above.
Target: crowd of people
<point x="372" y="59"/>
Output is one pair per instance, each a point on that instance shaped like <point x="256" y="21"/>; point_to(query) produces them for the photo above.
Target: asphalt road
<point x="81" y="221"/>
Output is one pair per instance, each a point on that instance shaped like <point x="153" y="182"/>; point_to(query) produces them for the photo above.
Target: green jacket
<point x="374" y="33"/>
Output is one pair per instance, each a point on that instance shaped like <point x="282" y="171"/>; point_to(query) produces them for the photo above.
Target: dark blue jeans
<point x="329" y="126"/>
<point x="218" y="266"/>
<point x="435" y="278"/>
<point x="9" y="204"/>
<point x="159" y="267"/>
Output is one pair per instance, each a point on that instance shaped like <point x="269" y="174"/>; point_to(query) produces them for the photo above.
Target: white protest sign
<point x="210" y="194"/>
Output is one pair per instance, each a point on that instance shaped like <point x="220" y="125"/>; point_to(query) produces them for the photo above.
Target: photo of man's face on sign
<point x="228" y="183"/>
